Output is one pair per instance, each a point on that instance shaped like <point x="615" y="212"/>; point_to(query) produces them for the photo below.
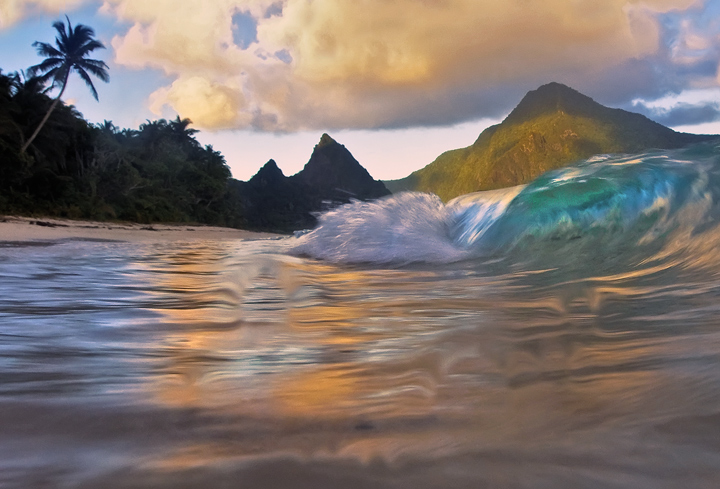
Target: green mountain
<point x="552" y="127"/>
<point x="274" y="202"/>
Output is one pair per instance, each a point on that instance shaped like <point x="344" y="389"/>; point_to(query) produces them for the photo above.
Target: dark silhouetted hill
<point x="273" y="202"/>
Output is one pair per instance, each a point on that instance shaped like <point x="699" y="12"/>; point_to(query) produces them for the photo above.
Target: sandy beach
<point x="15" y="228"/>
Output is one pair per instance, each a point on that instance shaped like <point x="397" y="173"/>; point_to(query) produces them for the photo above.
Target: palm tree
<point x="180" y="130"/>
<point x="73" y="47"/>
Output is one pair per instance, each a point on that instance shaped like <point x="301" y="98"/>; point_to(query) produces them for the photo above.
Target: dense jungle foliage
<point x="75" y="169"/>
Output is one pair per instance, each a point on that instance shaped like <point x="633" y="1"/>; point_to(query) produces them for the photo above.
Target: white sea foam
<point x="404" y="228"/>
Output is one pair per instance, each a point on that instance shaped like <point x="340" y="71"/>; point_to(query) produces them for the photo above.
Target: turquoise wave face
<point x="601" y="196"/>
<point x="599" y="204"/>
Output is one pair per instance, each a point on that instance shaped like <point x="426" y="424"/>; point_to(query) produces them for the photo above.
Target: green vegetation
<point x="68" y="167"/>
<point x="73" y="47"/>
<point x="75" y="169"/>
<point x="552" y="127"/>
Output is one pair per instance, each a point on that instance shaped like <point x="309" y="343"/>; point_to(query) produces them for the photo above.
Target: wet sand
<point x="15" y="228"/>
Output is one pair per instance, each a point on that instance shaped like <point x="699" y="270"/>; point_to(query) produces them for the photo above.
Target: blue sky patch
<point x="244" y="29"/>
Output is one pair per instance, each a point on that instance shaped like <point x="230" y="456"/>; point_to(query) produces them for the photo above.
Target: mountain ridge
<point x="551" y="127"/>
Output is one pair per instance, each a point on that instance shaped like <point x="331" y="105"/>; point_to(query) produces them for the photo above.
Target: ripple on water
<point x="193" y="365"/>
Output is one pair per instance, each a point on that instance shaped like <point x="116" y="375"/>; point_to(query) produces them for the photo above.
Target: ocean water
<point x="564" y="334"/>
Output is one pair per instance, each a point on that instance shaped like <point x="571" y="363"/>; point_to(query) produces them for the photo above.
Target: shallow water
<point x="571" y="355"/>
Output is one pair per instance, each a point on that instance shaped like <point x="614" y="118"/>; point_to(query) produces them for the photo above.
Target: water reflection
<point x="168" y="365"/>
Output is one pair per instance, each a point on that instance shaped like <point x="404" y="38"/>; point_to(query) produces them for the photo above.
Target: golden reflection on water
<point x="429" y="371"/>
<point x="298" y="359"/>
<point x="327" y="391"/>
<point x="259" y="356"/>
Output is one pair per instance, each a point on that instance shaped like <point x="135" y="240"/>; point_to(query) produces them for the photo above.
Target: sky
<point x="396" y="81"/>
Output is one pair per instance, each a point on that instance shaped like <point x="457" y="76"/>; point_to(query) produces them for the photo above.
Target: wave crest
<point x="630" y="199"/>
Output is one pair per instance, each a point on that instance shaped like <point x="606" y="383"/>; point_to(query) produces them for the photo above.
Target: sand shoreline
<point x="17" y="228"/>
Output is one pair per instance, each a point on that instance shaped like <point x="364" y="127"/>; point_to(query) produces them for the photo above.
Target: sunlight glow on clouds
<point x="373" y="63"/>
<point x="211" y="105"/>
<point x="12" y="11"/>
<point x="339" y="64"/>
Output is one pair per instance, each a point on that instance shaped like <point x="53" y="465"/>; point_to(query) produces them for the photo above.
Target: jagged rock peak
<point x="269" y="172"/>
<point x="271" y="167"/>
<point x="325" y="140"/>
<point x="333" y="168"/>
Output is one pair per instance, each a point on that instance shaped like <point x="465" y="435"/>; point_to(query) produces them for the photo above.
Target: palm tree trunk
<point x="47" y="116"/>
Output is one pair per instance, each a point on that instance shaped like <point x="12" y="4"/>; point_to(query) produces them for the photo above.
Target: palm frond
<point x="84" y="75"/>
<point x="59" y="26"/>
<point x="83" y="31"/>
<point x="46" y="50"/>
<point x="62" y="37"/>
<point x="98" y="68"/>
<point x="50" y="75"/>
<point x="45" y="66"/>
<point x="89" y="47"/>
<point x="81" y="36"/>
<point x="60" y="76"/>
<point x="96" y="63"/>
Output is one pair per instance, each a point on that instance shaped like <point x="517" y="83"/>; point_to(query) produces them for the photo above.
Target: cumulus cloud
<point x="179" y="37"/>
<point x="207" y="104"/>
<point x="325" y="64"/>
<point x="11" y="11"/>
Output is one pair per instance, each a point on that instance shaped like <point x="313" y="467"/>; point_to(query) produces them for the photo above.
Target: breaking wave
<point x="604" y="202"/>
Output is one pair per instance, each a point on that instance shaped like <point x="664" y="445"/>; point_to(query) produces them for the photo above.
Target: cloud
<point x="207" y="104"/>
<point x="12" y="11"/>
<point x="689" y="108"/>
<point x="328" y="64"/>
<point x="683" y="114"/>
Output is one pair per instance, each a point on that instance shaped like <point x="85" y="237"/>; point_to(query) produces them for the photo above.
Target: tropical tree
<point x="8" y="86"/>
<point x="182" y="133"/>
<point x="74" y="44"/>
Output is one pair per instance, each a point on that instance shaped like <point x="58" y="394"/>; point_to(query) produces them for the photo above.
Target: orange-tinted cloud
<point x="209" y="105"/>
<point x="11" y="11"/>
<point x="376" y="63"/>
